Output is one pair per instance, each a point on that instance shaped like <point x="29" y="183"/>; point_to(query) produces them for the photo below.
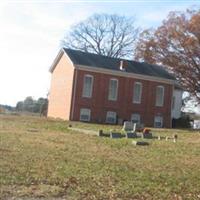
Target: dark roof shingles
<point x="99" y="61"/>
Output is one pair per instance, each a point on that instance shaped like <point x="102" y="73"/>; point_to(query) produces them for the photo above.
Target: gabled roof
<point x="105" y="62"/>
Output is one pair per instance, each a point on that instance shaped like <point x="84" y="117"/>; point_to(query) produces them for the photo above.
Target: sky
<point x="31" y="31"/>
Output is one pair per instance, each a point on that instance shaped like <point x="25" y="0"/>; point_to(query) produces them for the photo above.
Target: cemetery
<point x="129" y="130"/>
<point x="46" y="159"/>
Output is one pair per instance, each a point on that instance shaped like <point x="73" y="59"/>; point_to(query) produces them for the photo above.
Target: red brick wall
<point x="99" y="103"/>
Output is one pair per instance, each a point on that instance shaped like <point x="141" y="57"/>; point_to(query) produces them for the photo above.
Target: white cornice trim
<point x="56" y="60"/>
<point x="124" y="74"/>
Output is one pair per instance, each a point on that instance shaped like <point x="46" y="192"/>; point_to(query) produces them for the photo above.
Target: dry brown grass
<point x="41" y="158"/>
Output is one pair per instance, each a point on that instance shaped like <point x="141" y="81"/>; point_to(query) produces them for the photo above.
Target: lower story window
<point x="111" y="117"/>
<point x="135" y="118"/>
<point x="85" y="114"/>
<point x="158" y="121"/>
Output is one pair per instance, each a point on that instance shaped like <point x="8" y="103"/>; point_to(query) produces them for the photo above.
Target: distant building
<point x="95" y="88"/>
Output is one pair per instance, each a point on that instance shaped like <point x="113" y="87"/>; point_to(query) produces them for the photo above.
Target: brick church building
<point x="95" y="88"/>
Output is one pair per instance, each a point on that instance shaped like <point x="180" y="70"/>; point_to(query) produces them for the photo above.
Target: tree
<point x="109" y="35"/>
<point x="43" y="106"/>
<point x="175" y="45"/>
<point x="31" y="105"/>
<point x="28" y="104"/>
<point x="20" y="106"/>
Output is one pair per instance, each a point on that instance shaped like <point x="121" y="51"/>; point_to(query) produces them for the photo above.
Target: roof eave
<point x="56" y="60"/>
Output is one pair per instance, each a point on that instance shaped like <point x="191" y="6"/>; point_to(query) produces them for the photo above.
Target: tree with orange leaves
<point x="176" y="46"/>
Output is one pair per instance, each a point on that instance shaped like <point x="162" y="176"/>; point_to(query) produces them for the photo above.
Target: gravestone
<point x="134" y="127"/>
<point x="131" y="135"/>
<point x="138" y="127"/>
<point x="100" y="133"/>
<point x="128" y="126"/>
<point x="143" y="143"/>
<point x="115" y="135"/>
<point x="147" y="135"/>
<point x="175" y="137"/>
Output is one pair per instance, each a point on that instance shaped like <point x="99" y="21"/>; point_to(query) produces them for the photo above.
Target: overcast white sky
<point x="30" y="34"/>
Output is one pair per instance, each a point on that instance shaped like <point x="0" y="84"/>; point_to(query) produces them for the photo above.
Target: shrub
<point x="182" y="122"/>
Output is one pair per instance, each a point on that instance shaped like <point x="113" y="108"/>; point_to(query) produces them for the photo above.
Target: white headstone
<point x="128" y="126"/>
<point x="134" y="127"/>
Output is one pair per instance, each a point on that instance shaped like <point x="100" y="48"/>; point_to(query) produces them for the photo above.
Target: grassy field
<point x="41" y="158"/>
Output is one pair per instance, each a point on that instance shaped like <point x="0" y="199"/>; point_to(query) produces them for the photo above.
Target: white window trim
<point x="83" y="95"/>
<point x="162" y="103"/>
<point x="89" y="112"/>
<point x="161" y="117"/>
<point x="115" y="116"/>
<point x="140" y="97"/>
<point x="137" y="115"/>
<point x="110" y="98"/>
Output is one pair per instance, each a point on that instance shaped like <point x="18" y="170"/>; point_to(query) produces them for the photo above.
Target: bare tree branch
<point x="109" y="35"/>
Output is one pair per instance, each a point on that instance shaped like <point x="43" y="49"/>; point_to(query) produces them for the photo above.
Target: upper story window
<point x="111" y="117"/>
<point x="135" y="118"/>
<point x="137" y="92"/>
<point x="87" y="86"/>
<point x="159" y="95"/>
<point x="158" y="121"/>
<point x="85" y="114"/>
<point x="113" y="90"/>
